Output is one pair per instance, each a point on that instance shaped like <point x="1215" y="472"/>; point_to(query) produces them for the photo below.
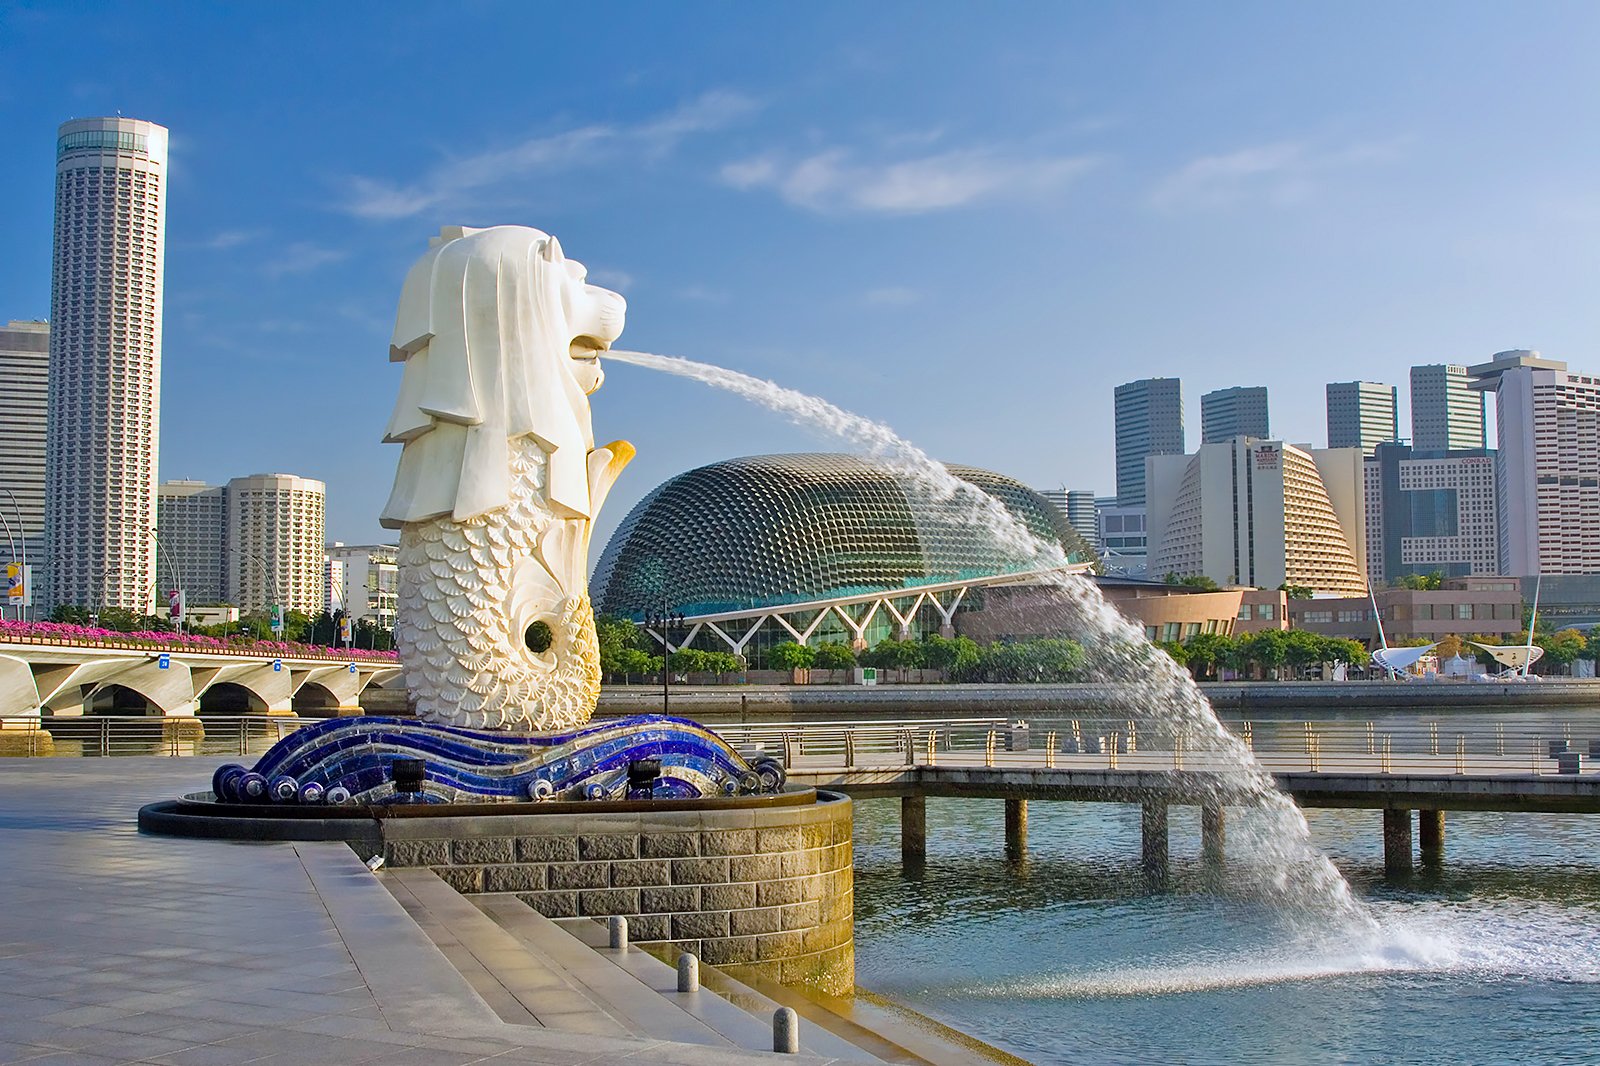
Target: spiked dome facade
<point x="771" y="529"/>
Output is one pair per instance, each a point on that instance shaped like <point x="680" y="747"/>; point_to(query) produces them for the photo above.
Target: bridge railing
<point x="105" y="735"/>
<point x="1278" y="744"/>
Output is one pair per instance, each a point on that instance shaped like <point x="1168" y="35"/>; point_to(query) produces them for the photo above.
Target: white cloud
<point x="835" y="180"/>
<point x="229" y="238"/>
<point x="611" y="279"/>
<point x="891" y="296"/>
<point x="1282" y="174"/>
<point x="302" y="257"/>
<point x="380" y="198"/>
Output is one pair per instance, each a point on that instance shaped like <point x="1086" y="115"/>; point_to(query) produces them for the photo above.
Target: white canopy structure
<point x="1400" y="660"/>
<point x="1512" y="656"/>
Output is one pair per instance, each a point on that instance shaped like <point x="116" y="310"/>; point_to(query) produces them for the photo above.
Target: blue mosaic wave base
<point x="351" y="760"/>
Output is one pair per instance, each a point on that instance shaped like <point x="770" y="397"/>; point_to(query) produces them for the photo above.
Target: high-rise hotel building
<point x="24" y="404"/>
<point x="1548" y="464"/>
<point x="105" y="362"/>
<point x="276" y="540"/>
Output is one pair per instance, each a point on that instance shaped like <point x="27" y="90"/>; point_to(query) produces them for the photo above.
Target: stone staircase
<point x="562" y="975"/>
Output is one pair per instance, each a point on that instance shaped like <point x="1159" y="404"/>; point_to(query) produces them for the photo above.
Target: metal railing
<point x="1462" y="746"/>
<point x="105" y="736"/>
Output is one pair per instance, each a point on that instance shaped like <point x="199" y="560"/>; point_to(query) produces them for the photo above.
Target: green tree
<point x="1206" y="651"/>
<point x="1420" y="582"/>
<point x="1268" y="649"/>
<point x="630" y="661"/>
<point x="1176" y="651"/>
<point x="1296" y="592"/>
<point x="833" y="656"/>
<point x="1562" y="647"/>
<point x="1194" y="581"/>
<point x="1302" y="648"/>
<point x="939" y="653"/>
<point x="792" y="656"/>
<point x="688" y="661"/>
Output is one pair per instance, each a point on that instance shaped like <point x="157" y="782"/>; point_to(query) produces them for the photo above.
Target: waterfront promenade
<point x="121" y="948"/>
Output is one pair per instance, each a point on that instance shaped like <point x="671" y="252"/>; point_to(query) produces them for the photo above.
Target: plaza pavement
<point x="117" y="947"/>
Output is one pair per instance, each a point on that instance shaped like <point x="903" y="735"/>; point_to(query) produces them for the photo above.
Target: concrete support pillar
<point x="1153" y="839"/>
<point x="1431" y="829"/>
<point x="913" y="829"/>
<point x="1396" y="841"/>
<point x="1016" y="828"/>
<point x="1213" y="833"/>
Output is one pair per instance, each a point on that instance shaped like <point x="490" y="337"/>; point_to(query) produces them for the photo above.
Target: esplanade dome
<point x="765" y="530"/>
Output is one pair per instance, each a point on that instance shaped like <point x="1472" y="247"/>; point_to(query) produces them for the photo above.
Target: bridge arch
<point x="228" y="697"/>
<point x="113" y="698"/>
<point x="313" y="696"/>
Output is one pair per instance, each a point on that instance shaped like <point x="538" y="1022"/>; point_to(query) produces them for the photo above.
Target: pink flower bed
<point x="66" y="632"/>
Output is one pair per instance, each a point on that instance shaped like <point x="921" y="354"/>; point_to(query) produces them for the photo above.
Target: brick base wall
<point x="754" y="891"/>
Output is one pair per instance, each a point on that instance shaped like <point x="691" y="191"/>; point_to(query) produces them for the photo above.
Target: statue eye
<point x="538" y="638"/>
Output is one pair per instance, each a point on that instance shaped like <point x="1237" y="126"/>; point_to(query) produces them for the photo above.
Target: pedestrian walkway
<point x="120" y="948"/>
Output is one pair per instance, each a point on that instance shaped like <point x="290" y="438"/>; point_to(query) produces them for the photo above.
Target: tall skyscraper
<point x="1446" y="414"/>
<point x="193" y="524"/>
<point x="1237" y="412"/>
<point x="1547" y="470"/>
<point x="105" y="362"/>
<point x="1362" y="414"/>
<point x="24" y="407"/>
<point x="276" y="542"/>
<point x="1149" y="415"/>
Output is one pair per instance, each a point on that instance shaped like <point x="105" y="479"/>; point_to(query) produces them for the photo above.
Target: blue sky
<point x="969" y="222"/>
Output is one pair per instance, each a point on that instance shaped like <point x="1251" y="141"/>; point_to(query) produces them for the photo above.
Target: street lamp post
<point x="667" y="624"/>
<point x="270" y="581"/>
<point x="172" y="572"/>
<point x="22" y="535"/>
<point x="13" y="556"/>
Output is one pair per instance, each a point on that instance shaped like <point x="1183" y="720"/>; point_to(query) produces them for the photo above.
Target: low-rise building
<point x="1487" y="605"/>
<point x="362" y="580"/>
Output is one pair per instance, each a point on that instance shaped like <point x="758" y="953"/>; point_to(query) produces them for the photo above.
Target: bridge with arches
<point x="61" y="679"/>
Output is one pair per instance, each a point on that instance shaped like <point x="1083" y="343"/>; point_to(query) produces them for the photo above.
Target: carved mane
<point x="483" y="331"/>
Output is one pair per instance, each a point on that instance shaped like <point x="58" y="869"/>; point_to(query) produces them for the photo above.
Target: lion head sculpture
<point x="499" y="479"/>
<point x="500" y="335"/>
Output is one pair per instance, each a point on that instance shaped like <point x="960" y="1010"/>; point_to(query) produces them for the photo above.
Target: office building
<point x="1548" y="464"/>
<point x="1430" y="511"/>
<point x="1362" y="414"/>
<point x="1261" y="513"/>
<point x="1121" y="538"/>
<point x="276" y="542"/>
<point x="1446" y="414"/>
<point x="193" y="521"/>
<point x="105" y="362"/>
<point x="24" y="409"/>
<point x="1078" y="507"/>
<point x="1237" y="412"/>
<point x="362" y="581"/>
<point x="1149" y="417"/>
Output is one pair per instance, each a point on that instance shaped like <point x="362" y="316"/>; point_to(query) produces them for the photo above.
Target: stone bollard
<point x="1569" y="762"/>
<point x="617" y="926"/>
<point x="1017" y="736"/>
<point x="786" y="1031"/>
<point x="688" y="973"/>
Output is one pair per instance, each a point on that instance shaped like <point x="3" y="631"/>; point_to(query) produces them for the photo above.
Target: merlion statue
<point x="499" y="479"/>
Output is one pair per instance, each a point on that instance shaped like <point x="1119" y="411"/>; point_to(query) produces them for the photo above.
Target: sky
<point x="968" y="221"/>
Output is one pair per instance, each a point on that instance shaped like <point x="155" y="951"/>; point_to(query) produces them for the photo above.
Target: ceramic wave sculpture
<point x="350" y="760"/>
<point x="499" y="480"/>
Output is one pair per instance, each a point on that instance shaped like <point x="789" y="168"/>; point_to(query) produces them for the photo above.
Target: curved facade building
<point x="772" y="529"/>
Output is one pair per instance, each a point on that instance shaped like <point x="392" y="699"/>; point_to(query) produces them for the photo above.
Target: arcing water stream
<point x="1276" y="847"/>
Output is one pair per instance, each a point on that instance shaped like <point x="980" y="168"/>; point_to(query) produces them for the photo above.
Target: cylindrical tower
<point x="105" y="362"/>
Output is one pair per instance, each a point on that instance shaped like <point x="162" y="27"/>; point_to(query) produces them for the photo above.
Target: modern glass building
<point x="766" y="530"/>
<point x="1446" y="414"/>
<point x="1362" y="414"/>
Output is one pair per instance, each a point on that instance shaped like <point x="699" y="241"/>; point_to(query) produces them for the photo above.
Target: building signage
<point x="1267" y="458"/>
